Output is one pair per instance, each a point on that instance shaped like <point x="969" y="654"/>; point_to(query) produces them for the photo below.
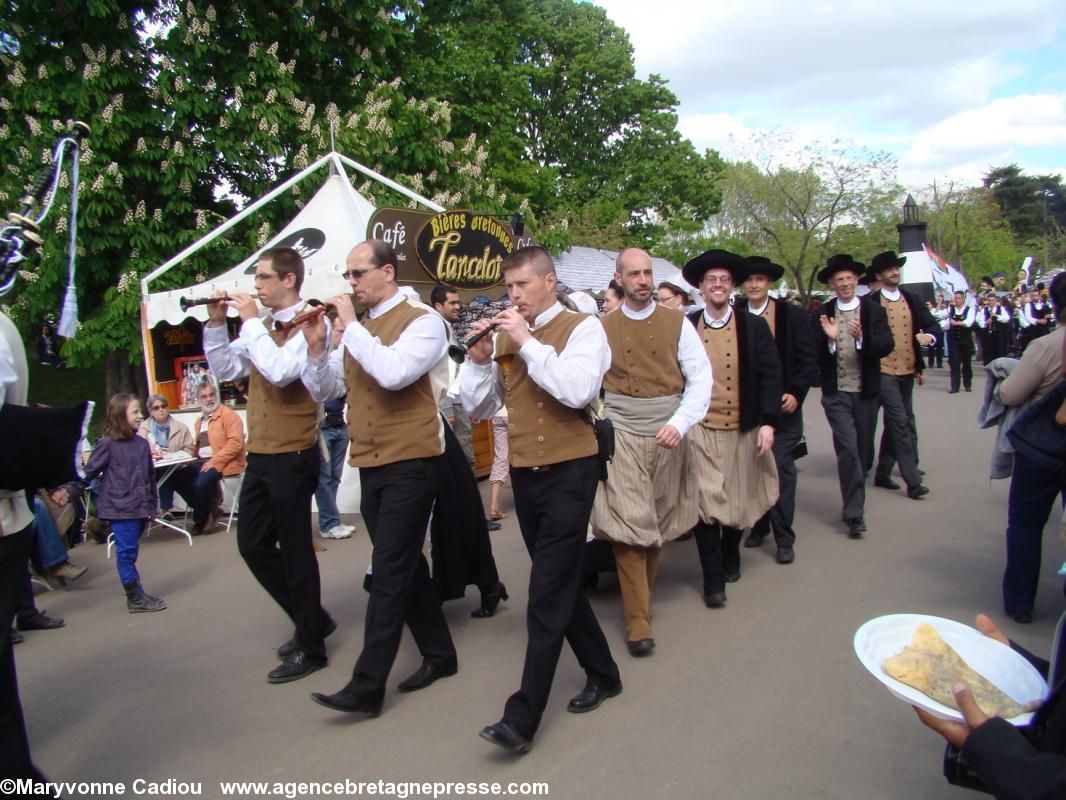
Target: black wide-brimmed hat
<point x="841" y="262"/>
<point x="695" y="269"/>
<point x="886" y="260"/>
<point x="761" y="265"/>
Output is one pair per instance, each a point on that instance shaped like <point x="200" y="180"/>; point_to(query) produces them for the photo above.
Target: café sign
<point x="459" y="248"/>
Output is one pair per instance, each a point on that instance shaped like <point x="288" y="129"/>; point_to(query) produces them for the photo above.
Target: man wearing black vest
<point x="274" y="530"/>
<point x="396" y="440"/>
<point x="958" y="325"/>
<point x="909" y="322"/>
<point x="547" y="366"/>
<point x="732" y="444"/>
<point x="792" y="334"/>
<point x="851" y="339"/>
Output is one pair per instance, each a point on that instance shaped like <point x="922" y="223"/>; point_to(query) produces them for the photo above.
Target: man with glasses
<point x="274" y="533"/>
<point x="396" y="437"/>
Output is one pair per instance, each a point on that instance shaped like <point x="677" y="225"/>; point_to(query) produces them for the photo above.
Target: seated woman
<point x="165" y="435"/>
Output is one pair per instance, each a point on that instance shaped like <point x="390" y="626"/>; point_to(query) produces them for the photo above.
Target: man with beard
<point x="737" y="477"/>
<point x="909" y="322"/>
<point x="791" y="330"/>
<point x="852" y="337"/>
<point x="657" y="388"/>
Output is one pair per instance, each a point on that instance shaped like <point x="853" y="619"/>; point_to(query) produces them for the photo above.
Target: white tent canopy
<point x="332" y="222"/>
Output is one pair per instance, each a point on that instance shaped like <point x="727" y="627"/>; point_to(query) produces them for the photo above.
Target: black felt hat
<point x="886" y="260"/>
<point x="695" y="269"/>
<point x="841" y="262"/>
<point x="761" y="265"/>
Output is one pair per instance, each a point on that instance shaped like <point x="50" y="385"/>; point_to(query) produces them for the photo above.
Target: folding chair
<point x="232" y="494"/>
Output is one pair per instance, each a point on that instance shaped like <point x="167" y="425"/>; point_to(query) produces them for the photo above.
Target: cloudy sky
<point x="950" y="87"/>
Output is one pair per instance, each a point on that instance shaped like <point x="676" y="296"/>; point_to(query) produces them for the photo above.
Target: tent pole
<point x="391" y="184"/>
<point x="200" y="243"/>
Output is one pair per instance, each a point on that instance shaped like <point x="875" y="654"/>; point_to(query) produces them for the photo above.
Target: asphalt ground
<point x="762" y="699"/>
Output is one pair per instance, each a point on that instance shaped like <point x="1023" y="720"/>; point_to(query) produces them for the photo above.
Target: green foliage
<point x="967" y="229"/>
<point x="550" y="86"/>
<point x="194" y="109"/>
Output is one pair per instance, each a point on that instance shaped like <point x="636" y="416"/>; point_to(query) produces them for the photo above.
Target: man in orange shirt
<point x="220" y="450"/>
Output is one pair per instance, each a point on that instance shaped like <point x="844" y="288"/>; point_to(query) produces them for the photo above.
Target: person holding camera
<point x="990" y="754"/>
<point x="547" y="367"/>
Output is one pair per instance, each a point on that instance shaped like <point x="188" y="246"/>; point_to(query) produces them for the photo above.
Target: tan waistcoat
<point x="644" y="354"/>
<point x="281" y="419"/>
<point x="721" y="345"/>
<point x="540" y="429"/>
<point x="387" y="426"/>
<point x="901" y="360"/>
<point x="770" y="315"/>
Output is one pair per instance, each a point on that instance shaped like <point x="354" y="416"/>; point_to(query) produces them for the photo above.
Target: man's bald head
<point x="631" y="258"/>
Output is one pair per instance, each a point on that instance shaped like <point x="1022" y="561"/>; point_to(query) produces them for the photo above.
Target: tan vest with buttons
<point x="540" y="429"/>
<point x="721" y="345"/>
<point x="388" y="426"/>
<point x="901" y="360"/>
<point x="644" y="354"/>
<point x="281" y="419"/>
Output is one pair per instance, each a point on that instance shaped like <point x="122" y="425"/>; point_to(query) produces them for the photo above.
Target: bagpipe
<point x="42" y="445"/>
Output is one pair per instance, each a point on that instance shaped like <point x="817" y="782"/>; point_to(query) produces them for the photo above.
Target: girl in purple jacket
<point x="126" y="496"/>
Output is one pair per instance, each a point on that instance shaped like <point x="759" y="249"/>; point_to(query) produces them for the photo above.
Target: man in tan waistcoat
<point x="274" y="529"/>
<point x="658" y="386"/>
<point x="733" y="443"/>
<point x="547" y="367"/>
<point x="396" y="440"/>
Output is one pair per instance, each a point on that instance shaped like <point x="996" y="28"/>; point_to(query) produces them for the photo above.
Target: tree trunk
<point x="122" y="376"/>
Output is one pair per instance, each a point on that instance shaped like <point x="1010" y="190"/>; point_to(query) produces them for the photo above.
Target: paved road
<point x="764" y="699"/>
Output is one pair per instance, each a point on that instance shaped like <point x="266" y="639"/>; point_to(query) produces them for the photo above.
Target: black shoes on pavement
<point x="427" y="674"/>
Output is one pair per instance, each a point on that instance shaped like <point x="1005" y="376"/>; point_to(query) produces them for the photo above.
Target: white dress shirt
<point x="988" y="314"/>
<point x="419" y="348"/>
<point x="1025" y="317"/>
<point x="851" y="305"/>
<point x="696" y="368"/>
<point x="230" y="361"/>
<point x="945" y="323"/>
<point x="573" y="377"/>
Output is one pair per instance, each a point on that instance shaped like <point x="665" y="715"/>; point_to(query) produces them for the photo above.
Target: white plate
<point x="885" y="636"/>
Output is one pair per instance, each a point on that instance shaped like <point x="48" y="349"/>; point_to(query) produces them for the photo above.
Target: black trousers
<point x="780" y="517"/>
<point x="899" y="438"/>
<point x="396" y="501"/>
<point x="15" y="761"/>
<point x="274" y="538"/>
<point x="960" y="353"/>
<point x="718" y="546"/>
<point x="553" y="508"/>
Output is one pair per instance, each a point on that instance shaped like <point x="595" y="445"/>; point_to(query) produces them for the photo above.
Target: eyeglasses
<point x="358" y="274"/>
<point x="260" y="277"/>
<point x="157" y="407"/>
<point x="716" y="280"/>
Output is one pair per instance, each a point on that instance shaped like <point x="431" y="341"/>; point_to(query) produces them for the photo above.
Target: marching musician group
<point x="705" y="410"/>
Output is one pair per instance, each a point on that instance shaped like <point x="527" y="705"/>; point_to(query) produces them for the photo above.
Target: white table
<point x="164" y="468"/>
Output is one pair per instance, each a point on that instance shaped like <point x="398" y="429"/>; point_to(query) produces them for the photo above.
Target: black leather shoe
<point x="16" y="637"/>
<point x="969" y="388"/>
<point x="856" y="527"/>
<point x="493" y="525"/>
<point x="641" y="647"/>
<point x="503" y="734"/>
<point x="714" y="600"/>
<point x="886" y="483"/>
<point x="347" y="702"/>
<point x="1023" y="617"/>
<point x="785" y="554"/>
<point x="489" y="601"/>
<point x="292" y="645"/>
<point x="295" y="666"/>
<point x="591" y="697"/>
<point x="732" y="577"/>
<point x="916" y="492"/>
<point x="38" y="621"/>
<point x="753" y="539"/>
<point x="427" y="674"/>
<point x="953" y="391"/>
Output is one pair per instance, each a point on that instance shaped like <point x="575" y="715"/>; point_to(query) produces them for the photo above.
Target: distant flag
<point x="947" y="279"/>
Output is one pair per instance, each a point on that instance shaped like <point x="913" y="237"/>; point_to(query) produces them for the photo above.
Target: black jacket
<point x="921" y="319"/>
<point x="759" y="368"/>
<point x="877" y="343"/>
<point x="795" y="347"/>
<point x="1027" y="762"/>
